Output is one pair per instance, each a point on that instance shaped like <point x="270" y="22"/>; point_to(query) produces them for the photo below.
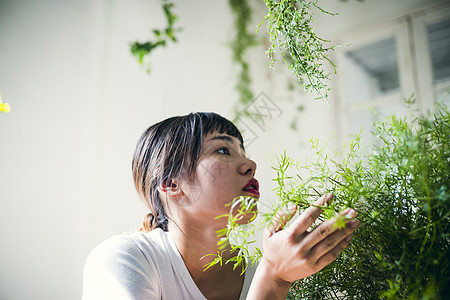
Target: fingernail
<point x="291" y="206"/>
<point x="346" y="211"/>
<point x="351" y="213"/>
<point x="354" y="223"/>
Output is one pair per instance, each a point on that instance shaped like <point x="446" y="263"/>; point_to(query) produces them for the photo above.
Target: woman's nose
<point x="248" y="167"/>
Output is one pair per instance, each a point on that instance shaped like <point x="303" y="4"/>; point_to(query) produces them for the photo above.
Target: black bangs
<point x="196" y="127"/>
<point x="214" y="122"/>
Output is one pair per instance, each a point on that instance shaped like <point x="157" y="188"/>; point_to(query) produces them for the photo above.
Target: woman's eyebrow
<point x="226" y="138"/>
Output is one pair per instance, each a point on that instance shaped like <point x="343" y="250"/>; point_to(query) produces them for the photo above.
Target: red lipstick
<point x="252" y="187"/>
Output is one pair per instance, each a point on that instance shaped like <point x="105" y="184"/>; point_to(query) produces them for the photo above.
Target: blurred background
<point x="79" y="102"/>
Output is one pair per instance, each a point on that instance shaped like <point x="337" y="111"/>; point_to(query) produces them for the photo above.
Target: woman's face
<point x="223" y="173"/>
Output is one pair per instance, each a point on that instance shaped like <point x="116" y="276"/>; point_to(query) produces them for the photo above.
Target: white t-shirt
<point x="142" y="266"/>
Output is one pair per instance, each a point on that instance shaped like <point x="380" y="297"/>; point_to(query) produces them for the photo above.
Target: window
<point x="373" y="67"/>
<point x="439" y="46"/>
<point x="389" y="63"/>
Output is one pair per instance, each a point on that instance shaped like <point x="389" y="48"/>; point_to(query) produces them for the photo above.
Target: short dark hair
<point x="170" y="149"/>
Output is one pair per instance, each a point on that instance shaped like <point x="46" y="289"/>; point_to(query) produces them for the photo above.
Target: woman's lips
<point x="252" y="187"/>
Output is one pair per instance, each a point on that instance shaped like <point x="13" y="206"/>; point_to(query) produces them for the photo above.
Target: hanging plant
<point x="243" y="40"/>
<point x="293" y="38"/>
<point x="143" y="50"/>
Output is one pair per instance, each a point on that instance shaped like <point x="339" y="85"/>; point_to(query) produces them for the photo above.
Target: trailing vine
<point x="242" y="41"/>
<point x="291" y="34"/>
<point x="143" y="50"/>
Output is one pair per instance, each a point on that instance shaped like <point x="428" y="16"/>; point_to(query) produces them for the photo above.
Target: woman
<point x="187" y="169"/>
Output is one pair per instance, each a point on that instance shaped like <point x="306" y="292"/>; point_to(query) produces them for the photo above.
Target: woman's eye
<point x="224" y="150"/>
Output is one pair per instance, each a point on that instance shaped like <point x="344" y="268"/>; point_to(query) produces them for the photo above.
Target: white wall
<point x="79" y="103"/>
<point x="49" y="74"/>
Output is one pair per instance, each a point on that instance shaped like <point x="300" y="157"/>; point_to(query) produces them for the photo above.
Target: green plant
<point x="290" y="31"/>
<point x="143" y="50"/>
<point x="240" y="238"/>
<point x="400" y="188"/>
<point x="242" y="41"/>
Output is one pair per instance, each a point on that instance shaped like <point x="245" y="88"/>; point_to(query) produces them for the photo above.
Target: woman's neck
<point x="196" y="243"/>
<point x="198" y="246"/>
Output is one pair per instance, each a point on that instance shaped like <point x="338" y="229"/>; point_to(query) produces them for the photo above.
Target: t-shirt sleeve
<point x="117" y="269"/>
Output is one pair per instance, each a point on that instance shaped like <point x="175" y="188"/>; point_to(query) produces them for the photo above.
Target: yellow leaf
<point x="4" y="107"/>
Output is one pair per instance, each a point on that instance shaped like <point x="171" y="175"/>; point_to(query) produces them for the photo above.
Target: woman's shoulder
<point x="137" y="245"/>
<point x="128" y="264"/>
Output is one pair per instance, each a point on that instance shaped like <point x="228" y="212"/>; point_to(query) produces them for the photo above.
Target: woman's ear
<point x="170" y="189"/>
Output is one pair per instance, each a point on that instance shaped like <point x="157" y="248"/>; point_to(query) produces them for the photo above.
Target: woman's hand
<point x="294" y="253"/>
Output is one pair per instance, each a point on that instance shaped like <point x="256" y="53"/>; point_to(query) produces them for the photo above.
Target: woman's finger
<point x="331" y="255"/>
<point x="309" y="216"/>
<point x="333" y="242"/>
<point x="281" y="218"/>
<point x="327" y="235"/>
